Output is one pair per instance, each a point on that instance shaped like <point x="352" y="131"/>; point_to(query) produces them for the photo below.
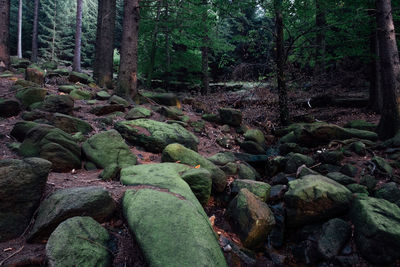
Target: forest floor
<point x="260" y="109"/>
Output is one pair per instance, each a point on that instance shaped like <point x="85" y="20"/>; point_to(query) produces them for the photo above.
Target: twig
<point x="12" y="255"/>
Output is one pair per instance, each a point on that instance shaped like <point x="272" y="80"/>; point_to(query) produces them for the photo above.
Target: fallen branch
<point x="12" y="255"/>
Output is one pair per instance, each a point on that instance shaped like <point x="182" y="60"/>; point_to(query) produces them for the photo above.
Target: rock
<point x="58" y="103"/>
<point x="296" y="160"/>
<point x="246" y="172"/>
<point x="286" y="148"/>
<point x="277" y="193"/>
<point x="31" y="95"/>
<point x="377" y="229"/>
<point x="154" y="136"/>
<point x="168" y="99"/>
<point x="349" y="170"/>
<point x="71" y="124"/>
<point x="78" y="94"/>
<point x="389" y="192"/>
<point x="108" y="148"/>
<point x="177" y="152"/>
<point x="361" y="125"/>
<point x="138" y="113"/>
<point x="252" y="218"/>
<point x="359" y="148"/>
<point x="76" y="77"/>
<point x="341" y="178"/>
<point x="163" y="208"/>
<point x="314" y="198"/>
<point x="357" y="189"/>
<point x="369" y="181"/>
<point x="255" y="135"/>
<point x="22" y="183"/>
<point x="52" y="144"/>
<point x="230" y="116"/>
<point x="9" y="108"/>
<point x="35" y="74"/>
<point x="331" y="157"/>
<point x="222" y="158"/>
<point x="103" y="95"/>
<point x="101" y="110"/>
<point x="259" y="189"/>
<point x="92" y="201"/>
<point x="280" y="178"/>
<point x="79" y="241"/>
<point x="230" y="168"/>
<point x="303" y="171"/>
<point x="335" y="234"/>
<point x="171" y="112"/>
<point x="200" y="182"/>
<point x="327" y="168"/>
<point x="66" y="88"/>
<point x="252" y="147"/>
<point x="79" y="137"/>
<point x="275" y="165"/>
<point x="57" y="72"/>
<point x="382" y="165"/>
<point x="198" y="126"/>
<point x="210" y="117"/>
<point x="118" y="101"/>
<point x="21" y="128"/>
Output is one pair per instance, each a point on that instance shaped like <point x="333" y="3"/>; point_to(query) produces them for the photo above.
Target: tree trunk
<point x="53" y="43"/>
<point x="4" y="34"/>
<point x="103" y="62"/>
<point x="78" y="37"/>
<point x="153" y="46"/>
<point x="19" y="49"/>
<point x="204" y="52"/>
<point x="389" y="123"/>
<point x="127" y="79"/>
<point x="167" y="51"/>
<point x="320" y="23"/>
<point x="375" y="95"/>
<point x="280" y="63"/>
<point x="35" y="33"/>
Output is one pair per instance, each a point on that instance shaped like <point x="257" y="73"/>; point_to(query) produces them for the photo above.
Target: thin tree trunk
<point x="19" y="53"/>
<point x="167" y="51"/>
<point x="320" y="23"/>
<point x="78" y="37"/>
<point x="204" y="52"/>
<point x="389" y="123"/>
<point x="103" y="62"/>
<point x="375" y="96"/>
<point x="280" y="63"/>
<point x="128" y="76"/>
<point x="53" y="42"/>
<point x="4" y="34"/>
<point x="35" y="33"/>
<point x="153" y="46"/>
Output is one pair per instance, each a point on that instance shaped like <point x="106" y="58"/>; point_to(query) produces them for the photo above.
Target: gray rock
<point x="335" y="234"/>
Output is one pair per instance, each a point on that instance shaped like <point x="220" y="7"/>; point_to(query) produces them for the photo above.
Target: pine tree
<point x="4" y="30"/>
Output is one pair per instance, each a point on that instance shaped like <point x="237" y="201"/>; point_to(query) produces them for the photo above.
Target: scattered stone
<point x="22" y="184"/>
<point x="296" y="160"/>
<point x="71" y="124"/>
<point x="255" y="135"/>
<point x="383" y="165"/>
<point x="31" y="95"/>
<point x="246" y="172"/>
<point x="58" y="103"/>
<point x="101" y="110"/>
<point x="79" y="241"/>
<point x="260" y="189"/>
<point x="331" y="157"/>
<point x="167" y="99"/>
<point x="200" y="182"/>
<point x="198" y="126"/>
<point x="9" y="108"/>
<point x="222" y="158"/>
<point x="341" y="178"/>
<point x="21" y="128"/>
<point x="35" y="74"/>
<point x="369" y="181"/>
<point x="252" y="218"/>
<point x="349" y="170"/>
<point x="138" y="113"/>
<point x="79" y="94"/>
<point x="361" y="125"/>
<point x="103" y="95"/>
<point x="335" y="234"/>
<point x="358" y="189"/>
<point x="230" y="116"/>
<point x="359" y="148"/>
<point x="92" y="201"/>
<point x="66" y="88"/>
<point x="225" y="128"/>
<point x="76" y="77"/>
<point x="118" y="101"/>
<point x="252" y="147"/>
<point x="390" y="192"/>
<point x="314" y="198"/>
<point x="210" y="117"/>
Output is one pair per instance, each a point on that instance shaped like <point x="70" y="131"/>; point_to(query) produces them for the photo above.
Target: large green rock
<point x="260" y="189"/>
<point x="154" y="136"/>
<point x="58" y="103"/>
<point x="22" y="183"/>
<point x="108" y="148"/>
<point x="78" y="94"/>
<point x="79" y="241"/>
<point x="177" y="152"/>
<point x="252" y="217"/>
<point x="53" y="144"/>
<point x="21" y="128"/>
<point x="377" y="229"/>
<point x="382" y="165"/>
<point x="70" y="124"/>
<point x="35" y="74"/>
<point x="313" y="198"/>
<point x="9" y="108"/>
<point x="255" y="135"/>
<point x="230" y="116"/>
<point x="92" y="201"/>
<point x="119" y="101"/>
<point x="138" y="113"/>
<point x="76" y="77"/>
<point x="335" y="234"/>
<point x="390" y="192"/>
<point x="31" y="95"/>
<point x="200" y="182"/>
<point x="222" y="158"/>
<point x="296" y="160"/>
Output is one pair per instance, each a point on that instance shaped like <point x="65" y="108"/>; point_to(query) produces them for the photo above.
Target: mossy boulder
<point x="383" y="165"/>
<point x="222" y="158"/>
<point x="168" y="99"/>
<point x="390" y="192"/>
<point x="246" y="172"/>
<point x="119" y="101"/>
<point x="101" y="110"/>
<point x="31" y="95"/>
<point x="296" y="160"/>
<point x="154" y="136"/>
<point x="252" y="218"/>
<point x="341" y="178"/>
<point x="335" y="234"/>
<point x="377" y="229"/>
<point x="177" y="152"/>
<point x="79" y="241"/>
<point x="79" y="94"/>
<point x="22" y="183"/>
<point x="67" y="88"/>
<point x="19" y="63"/>
<point x="138" y="113"/>
<point x="252" y="147"/>
<point x="49" y="65"/>
<point x="331" y="157"/>
<point x="361" y="125"/>
<point x="70" y="124"/>
<point x="260" y="189"/>
<point x="9" y="108"/>
<point x="314" y="198"/>
<point x="76" y="77"/>
<point x="255" y="135"/>
<point x="58" y="103"/>
<point x="200" y="182"/>
<point x="103" y="95"/>
<point x="92" y="201"/>
<point x="210" y="117"/>
<point x="21" y="128"/>
<point x="35" y="74"/>
<point x="230" y="116"/>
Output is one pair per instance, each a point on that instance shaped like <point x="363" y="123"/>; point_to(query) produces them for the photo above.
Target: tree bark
<point x="320" y="23"/>
<point x="19" y="47"/>
<point x="375" y="95"/>
<point x="78" y="37"/>
<point x="280" y="63"/>
<point x="103" y="62"/>
<point x="153" y="46"/>
<point x="167" y="51"/>
<point x="389" y="123"/>
<point x="127" y="78"/>
<point x="53" y="43"/>
<point x="4" y="34"/>
<point x="35" y="32"/>
<point x="204" y="52"/>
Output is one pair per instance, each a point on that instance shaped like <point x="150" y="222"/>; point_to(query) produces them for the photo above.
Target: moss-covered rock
<point x="331" y="157"/>
<point x="76" y="77"/>
<point x="260" y="189"/>
<point x="349" y="170"/>
<point x="119" y="101"/>
<point x="383" y="165"/>
<point x="246" y="172"/>
<point x="67" y="88"/>
<point x="92" y="201"/>
<point x="200" y="182"/>
<point x="79" y="94"/>
<point x="252" y="147"/>
<point x="296" y="160"/>
<point x="154" y="136"/>
<point x="230" y="116"/>
<point x="358" y="189"/>
<point x="103" y="95"/>
<point x="210" y="117"/>
<point x="314" y="198"/>
<point x="255" y="135"/>
<point x="390" y="192"/>
<point x="70" y="124"/>
<point x="58" y="103"/>
<point x="335" y="234"/>
<point x="138" y="113"/>
<point x="9" y="108"/>
<point x="31" y="95"/>
<point x="168" y="99"/>
<point x="35" y="74"/>
<point x="222" y="158"/>
<point x="361" y="125"/>
<point x="79" y="241"/>
<point x="101" y="110"/>
<point x="177" y="152"/>
<point x="21" y="128"/>
<point x="341" y="178"/>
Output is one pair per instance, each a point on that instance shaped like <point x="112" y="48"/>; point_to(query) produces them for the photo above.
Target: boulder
<point x="21" y="128"/>
<point x="286" y="148"/>
<point x="67" y="88"/>
<point x="58" y="103"/>
<point x="22" y="183"/>
<point x="167" y="99"/>
<point x="255" y="135"/>
<point x="118" y="101"/>
<point x="210" y="117"/>
<point x="70" y="124"/>
<point x="341" y="178"/>
<point x="79" y="241"/>
<point x="390" y="192"/>
<point x="361" y="125"/>
<point x="331" y="157"/>
<point x="358" y="189"/>
<point x="154" y="136"/>
<point x="76" y="77"/>
<point x="314" y="198"/>
<point x="230" y="116"/>
<point x="179" y="153"/>
<point x="9" y="108"/>
<point x="335" y="234"/>
<point x="246" y="172"/>
<point x="296" y="160"/>
<point x="79" y="94"/>
<point x="349" y="170"/>
<point x="101" y="110"/>
<point x="53" y="144"/>
<point x="200" y="182"/>
<point x="103" y="95"/>
<point x="259" y="189"/>
<point x="31" y="95"/>
<point x="222" y="158"/>
<point x="252" y="218"/>
<point x="35" y="74"/>
<point x="138" y="113"/>
<point x="377" y="229"/>
<point x="92" y="201"/>
<point x="382" y="165"/>
<point x="252" y="147"/>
